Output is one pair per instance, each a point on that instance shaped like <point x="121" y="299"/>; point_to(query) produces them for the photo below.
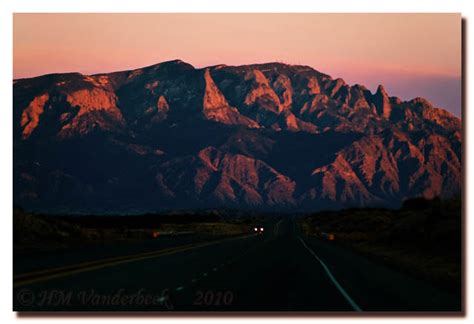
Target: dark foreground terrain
<point x="284" y="269"/>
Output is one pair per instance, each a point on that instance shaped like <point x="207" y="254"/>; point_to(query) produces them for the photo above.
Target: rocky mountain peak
<point x="381" y="91"/>
<point x="382" y="102"/>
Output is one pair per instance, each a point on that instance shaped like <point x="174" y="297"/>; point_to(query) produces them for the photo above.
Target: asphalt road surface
<point x="278" y="271"/>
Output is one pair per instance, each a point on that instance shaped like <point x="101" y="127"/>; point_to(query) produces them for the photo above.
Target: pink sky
<point x="411" y="54"/>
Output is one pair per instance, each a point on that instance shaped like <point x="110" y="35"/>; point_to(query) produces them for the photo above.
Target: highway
<point x="278" y="271"/>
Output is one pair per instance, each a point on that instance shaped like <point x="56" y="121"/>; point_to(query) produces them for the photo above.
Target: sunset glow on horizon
<point x="410" y="54"/>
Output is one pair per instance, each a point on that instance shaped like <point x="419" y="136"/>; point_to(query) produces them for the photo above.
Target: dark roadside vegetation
<point x="423" y="237"/>
<point x="49" y="232"/>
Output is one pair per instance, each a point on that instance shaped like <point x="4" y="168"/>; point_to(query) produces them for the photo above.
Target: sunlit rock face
<point x="265" y="136"/>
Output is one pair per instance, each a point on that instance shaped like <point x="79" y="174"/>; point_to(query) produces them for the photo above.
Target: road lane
<point x="30" y="261"/>
<point x="376" y="287"/>
<point x="274" y="276"/>
<point x="64" y="271"/>
<point x="333" y="279"/>
<point x="151" y="274"/>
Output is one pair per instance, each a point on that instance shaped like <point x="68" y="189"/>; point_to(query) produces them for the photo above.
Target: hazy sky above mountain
<point x="410" y="54"/>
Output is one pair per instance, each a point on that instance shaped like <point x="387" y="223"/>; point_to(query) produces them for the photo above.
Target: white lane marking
<point x="334" y="281"/>
<point x="179" y="288"/>
<point x="277" y="227"/>
<point x="161" y="299"/>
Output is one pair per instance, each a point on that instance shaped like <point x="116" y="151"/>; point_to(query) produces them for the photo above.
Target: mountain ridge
<point x="285" y="136"/>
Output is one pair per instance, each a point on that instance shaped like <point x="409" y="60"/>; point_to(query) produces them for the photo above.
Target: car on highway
<point x="258" y="229"/>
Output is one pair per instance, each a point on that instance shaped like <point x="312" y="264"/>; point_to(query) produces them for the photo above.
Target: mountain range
<point x="264" y="136"/>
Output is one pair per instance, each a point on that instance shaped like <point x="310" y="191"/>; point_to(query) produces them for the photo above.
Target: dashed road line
<point x="277" y="227"/>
